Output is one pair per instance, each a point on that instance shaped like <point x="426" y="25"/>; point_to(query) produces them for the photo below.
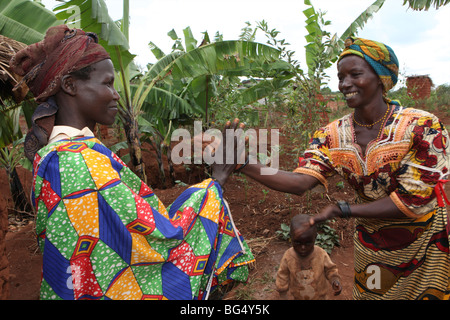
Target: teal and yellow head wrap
<point x="381" y="57"/>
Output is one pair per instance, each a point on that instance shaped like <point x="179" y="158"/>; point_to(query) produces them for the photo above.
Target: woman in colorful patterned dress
<point x="103" y="233"/>
<point x="396" y="159"/>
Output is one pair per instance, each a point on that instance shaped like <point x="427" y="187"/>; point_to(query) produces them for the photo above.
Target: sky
<point x="420" y="39"/>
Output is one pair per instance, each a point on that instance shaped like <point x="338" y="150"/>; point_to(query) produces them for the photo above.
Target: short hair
<point x="298" y="220"/>
<point x="83" y="73"/>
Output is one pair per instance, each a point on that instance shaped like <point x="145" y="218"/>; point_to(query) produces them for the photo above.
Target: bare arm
<point x="381" y="209"/>
<point x="283" y="181"/>
<point x="296" y="183"/>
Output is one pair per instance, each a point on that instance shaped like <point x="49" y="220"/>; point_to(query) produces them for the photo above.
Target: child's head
<point x="303" y="236"/>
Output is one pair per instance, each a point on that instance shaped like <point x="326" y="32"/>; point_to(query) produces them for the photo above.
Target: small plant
<point x="243" y="178"/>
<point x="265" y="193"/>
<point x="340" y="185"/>
<point x="180" y="183"/>
<point x="327" y="237"/>
<point x="284" y="233"/>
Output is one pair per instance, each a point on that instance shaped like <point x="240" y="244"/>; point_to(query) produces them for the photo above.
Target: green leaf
<point x="167" y="105"/>
<point x="189" y="41"/>
<point x="157" y="52"/>
<point x="260" y="90"/>
<point x="425" y="4"/>
<point x="25" y="21"/>
<point x="173" y="35"/>
<point x="225" y="57"/>
<point x="352" y="30"/>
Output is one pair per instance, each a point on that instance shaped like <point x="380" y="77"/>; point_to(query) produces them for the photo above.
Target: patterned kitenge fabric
<point x="408" y="163"/>
<point x="104" y="234"/>
<point x="380" y="57"/>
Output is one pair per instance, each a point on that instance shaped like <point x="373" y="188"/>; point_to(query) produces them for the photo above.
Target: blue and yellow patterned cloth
<point x="104" y="234"/>
<point x="380" y="56"/>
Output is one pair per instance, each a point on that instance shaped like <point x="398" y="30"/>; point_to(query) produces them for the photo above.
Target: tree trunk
<point x="132" y="134"/>
<point x="157" y="147"/>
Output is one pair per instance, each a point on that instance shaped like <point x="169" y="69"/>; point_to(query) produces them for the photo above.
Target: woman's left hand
<point x="329" y="212"/>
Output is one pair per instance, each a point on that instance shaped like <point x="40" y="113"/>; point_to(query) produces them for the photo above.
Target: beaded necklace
<point x="372" y="124"/>
<point x="383" y="119"/>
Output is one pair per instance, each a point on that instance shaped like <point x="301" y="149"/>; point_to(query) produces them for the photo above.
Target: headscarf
<point x="43" y="65"/>
<point x="379" y="56"/>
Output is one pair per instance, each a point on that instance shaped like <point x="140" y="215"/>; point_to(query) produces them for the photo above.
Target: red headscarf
<point x="43" y="65"/>
<point x="62" y="51"/>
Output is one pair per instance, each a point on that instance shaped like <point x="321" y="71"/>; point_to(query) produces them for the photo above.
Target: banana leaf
<point x="260" y="90"/>
<point x="419" y="5"/>
<point x="236" y="58"/>
<point x="166" y="105"/>
<point x="314" y="23"/>
<point x="231" y="58"/>
<point x="25" y="21"/>
<point x="359" y="23"/>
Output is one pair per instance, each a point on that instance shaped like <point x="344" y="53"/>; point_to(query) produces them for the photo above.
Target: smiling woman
<point x="104" y="234"/>
<point x="396" y="159"/>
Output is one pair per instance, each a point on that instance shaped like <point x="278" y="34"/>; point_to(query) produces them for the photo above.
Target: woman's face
<point x="97" y="98"/>
<point x="358" y="81"/>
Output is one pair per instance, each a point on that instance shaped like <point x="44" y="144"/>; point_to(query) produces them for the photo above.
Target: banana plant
<point x="25" y="21"/>
<point x="12" y="156"/>
<point x="322" y="49"/>
<point x="186" y="73"/>
<point x="186" y="79"/>
<point x="419" y="5"/>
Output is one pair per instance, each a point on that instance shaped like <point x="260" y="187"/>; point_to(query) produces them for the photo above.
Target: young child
<point x="305" y="268"/>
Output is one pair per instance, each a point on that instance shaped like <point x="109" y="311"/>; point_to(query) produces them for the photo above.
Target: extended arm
<point x="283" y="181"/>
<point x="381" y="209"/>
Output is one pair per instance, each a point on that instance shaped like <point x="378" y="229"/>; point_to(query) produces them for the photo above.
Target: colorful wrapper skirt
<point x="104" y="234"/>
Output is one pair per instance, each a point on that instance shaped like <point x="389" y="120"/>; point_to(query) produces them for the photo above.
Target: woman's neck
<point x="371" y="113"/>
<point x="67" y="117"/>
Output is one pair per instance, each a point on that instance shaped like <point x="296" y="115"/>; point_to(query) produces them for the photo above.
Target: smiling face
<point x="358" y="81"/>
<point x="96" y="96"/>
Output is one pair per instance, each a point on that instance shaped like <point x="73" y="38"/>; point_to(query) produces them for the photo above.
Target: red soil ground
<point x="257" y="216"/>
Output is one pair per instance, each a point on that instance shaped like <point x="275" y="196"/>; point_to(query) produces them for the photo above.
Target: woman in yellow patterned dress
<point x="397" y="159"/>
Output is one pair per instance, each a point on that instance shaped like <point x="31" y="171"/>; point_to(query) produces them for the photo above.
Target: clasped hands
<point x="231" y="158"/>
